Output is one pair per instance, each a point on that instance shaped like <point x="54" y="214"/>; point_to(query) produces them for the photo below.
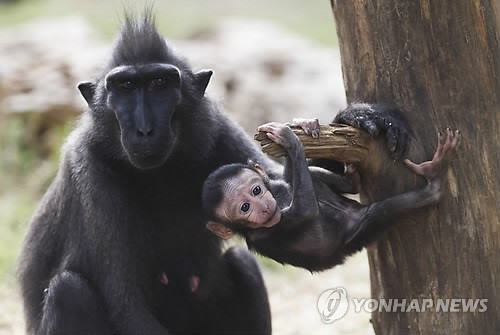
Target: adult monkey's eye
<point x="126" y="85"/>
<point x="245" y="207"/>
<point x="158" y="83"/>
<point x="256" y="190"/>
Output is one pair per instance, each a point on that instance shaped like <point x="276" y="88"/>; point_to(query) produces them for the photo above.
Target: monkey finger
<point x="392" y="142"/>
<point x="449" y="140"/>
<point x="451" y="144"/>
<point x="415" y="168"/>
<point x="440" y="146"/>
<point x="447" y="145"/>
<point x="369" y="126"/>
<point x="272" y="137"/>
<point x="409" y="163"/>
<point x="308" y="131"/>
<point x="264" y="127"/>
<point x="457" y="139"/>
<point x="309" y="126"/>
<point x="276" y="139"/>
<point x="268" y="127"/>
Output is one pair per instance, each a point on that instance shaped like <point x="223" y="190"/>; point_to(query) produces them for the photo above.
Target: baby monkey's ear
<point x="220" y="230"/>
<point x="257" y="168"/>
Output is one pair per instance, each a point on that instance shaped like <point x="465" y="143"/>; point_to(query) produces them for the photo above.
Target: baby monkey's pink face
<point x="246" y="198"/>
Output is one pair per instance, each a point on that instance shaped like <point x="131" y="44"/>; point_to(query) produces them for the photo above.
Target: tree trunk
<point x="440" y="62"/>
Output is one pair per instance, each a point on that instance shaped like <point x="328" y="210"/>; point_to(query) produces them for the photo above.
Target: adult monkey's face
<point x="144" y="99"/>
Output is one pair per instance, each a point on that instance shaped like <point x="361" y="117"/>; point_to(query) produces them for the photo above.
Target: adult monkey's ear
<point x="201" y="79"/>
<point x="87" y="89"/>
<point x="220" y="230"/>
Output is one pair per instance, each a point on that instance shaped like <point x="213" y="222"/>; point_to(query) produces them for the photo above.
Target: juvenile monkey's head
<point x="236" y="197"/>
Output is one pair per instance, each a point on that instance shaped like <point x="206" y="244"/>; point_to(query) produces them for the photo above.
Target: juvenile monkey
<point x="302" y="219"/>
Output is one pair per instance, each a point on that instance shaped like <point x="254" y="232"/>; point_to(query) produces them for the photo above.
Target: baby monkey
<point x="303" y="219"/>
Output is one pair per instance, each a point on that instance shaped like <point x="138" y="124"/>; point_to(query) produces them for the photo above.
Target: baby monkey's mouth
<point x="274" y="219"/>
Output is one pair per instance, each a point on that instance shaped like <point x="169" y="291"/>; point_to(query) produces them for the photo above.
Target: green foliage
<point x="15" y="211"/>
<point x="26" y="169"/>
<point x="17" y="156"/>
<point x="178" y="18"/>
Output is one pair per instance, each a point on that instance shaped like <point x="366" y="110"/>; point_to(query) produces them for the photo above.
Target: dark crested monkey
<point x="302" y="219"/>
<point x="118" y="244"/>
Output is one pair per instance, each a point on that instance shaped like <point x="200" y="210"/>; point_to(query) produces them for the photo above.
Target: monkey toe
<point x="309" y="126"/>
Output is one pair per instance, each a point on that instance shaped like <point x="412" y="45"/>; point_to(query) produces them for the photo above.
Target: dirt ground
<point x="293" y="294"/>
<point x="11" y="317"/>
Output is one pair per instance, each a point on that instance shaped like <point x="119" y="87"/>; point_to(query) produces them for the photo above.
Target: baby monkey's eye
<point x="256" y="190"/>
<point x="245" y="207"/>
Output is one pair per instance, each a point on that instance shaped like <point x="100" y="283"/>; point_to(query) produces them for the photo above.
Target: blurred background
<point x="273" y="60"/>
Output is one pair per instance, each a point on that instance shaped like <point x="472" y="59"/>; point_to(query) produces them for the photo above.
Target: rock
<point x="42" y="62"/>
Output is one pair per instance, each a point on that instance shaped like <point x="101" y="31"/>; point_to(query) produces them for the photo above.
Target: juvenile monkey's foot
<point x="379" y="119"/>
<point x="309" y="126"/>
<point x="446" y="150"/>
<point x="279" y="133"/>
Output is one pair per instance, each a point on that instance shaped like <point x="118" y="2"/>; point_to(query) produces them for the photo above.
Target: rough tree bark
<point x="440" y="62"/>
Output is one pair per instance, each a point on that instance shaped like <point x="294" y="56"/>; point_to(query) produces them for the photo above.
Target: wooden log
<point x="337" y="141"/>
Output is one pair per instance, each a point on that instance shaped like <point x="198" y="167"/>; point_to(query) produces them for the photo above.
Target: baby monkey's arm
<point x="304" y="204"/>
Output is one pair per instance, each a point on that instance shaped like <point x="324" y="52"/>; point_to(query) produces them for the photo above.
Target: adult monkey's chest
<point x="179" y="239"/>
<point x="171" y="210"/>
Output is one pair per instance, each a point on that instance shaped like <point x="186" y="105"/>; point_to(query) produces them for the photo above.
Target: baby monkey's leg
<point x="373" y="219"/>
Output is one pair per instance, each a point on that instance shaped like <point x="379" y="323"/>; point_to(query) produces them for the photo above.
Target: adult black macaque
<point x="117" y="241"/>
<point x="117" y="244"/>
<point x="303" y="219"/>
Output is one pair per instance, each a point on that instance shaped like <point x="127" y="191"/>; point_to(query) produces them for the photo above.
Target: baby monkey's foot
<point x="309" y="126"/>
<point x="446" y="150"/>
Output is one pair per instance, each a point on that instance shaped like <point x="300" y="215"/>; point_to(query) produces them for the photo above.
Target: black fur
<point x="109" y="226"/>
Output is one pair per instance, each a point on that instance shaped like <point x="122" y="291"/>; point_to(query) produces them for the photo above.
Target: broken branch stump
<point x="337" y="141"/>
